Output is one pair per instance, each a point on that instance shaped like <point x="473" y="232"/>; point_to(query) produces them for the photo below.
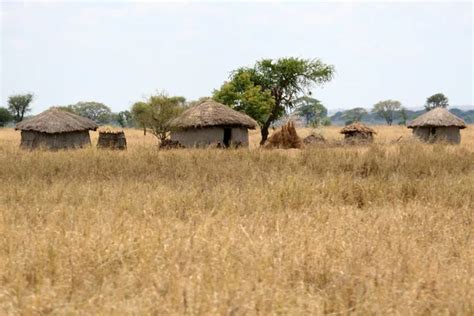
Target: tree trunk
<point x="264" y="132"/>
<point x="144" y="130"/>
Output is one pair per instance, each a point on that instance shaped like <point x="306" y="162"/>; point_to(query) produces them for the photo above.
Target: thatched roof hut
<point x="438" y="124"/>
<point x="211" y="123"/>
<point x="358" y="132"/>
<point x="112" y="139"/>
<point x="55" y="129"/>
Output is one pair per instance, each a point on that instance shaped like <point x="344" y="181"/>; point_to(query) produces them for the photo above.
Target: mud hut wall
<point x="32" y="140"/>
<point x="240" y="136"/>
<point x="450" y="134"/>
<point x="112" y="140"/>
<point x="199" y="137"/>
<point x="422" y="133"/>
<point x="358" y="135"/>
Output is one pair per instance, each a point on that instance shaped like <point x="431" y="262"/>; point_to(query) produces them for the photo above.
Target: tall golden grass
<point x="377" y="229"/>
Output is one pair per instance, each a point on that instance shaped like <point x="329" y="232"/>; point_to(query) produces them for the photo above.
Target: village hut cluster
<point x="213" y="124"/>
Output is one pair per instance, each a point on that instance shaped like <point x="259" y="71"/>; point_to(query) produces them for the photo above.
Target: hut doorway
<point x="227" y="136"/>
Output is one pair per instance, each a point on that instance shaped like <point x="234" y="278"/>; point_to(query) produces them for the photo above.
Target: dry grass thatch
<point x="357" y="127"/>
<point x="56" y="121"/>
<point x="285" y="138"/>
<point x="438" y="117"/>
<point x="106" y="129"/>
<point x="211" y="113"/>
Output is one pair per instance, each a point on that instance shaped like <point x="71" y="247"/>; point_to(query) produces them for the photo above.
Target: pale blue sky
<point x="119" y="52"/>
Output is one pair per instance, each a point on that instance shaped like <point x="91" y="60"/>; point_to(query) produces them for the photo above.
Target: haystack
<point x="112" y="139"/>
<point x="358" y="132"/>
<point x="211" y="124"/>
<point x="55" y="129"/>
<point x="438" y="125"/>
<point x="285" y="138"/>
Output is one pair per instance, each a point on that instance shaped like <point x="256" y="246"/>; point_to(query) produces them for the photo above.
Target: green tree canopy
<point x="436" y="100"/>
<point x="96" y="111"/>
<point x="387" y="110"/>
<point x="124" y="118"/>
<point x="157" y="112"/>
<point x="354" y="115"/>
<point x="243" y="95"/>
<point x="269" y="88"/>
<point x="141" y="113"/>
<point x="19" y="105"/>
<point x="311" y="109"/>
<point x="403" y="116"/>
<point x="5" y="117"/>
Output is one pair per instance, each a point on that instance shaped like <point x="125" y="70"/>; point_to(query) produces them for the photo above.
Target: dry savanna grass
<point x="375" y="229"/>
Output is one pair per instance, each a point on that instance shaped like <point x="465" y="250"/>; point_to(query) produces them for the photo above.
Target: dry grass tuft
<point x="376" y="229"/>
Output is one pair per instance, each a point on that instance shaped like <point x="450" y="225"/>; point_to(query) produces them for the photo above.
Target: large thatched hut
<point x="55" y="129"/>
<point x="358" y="132"/>
<point x="211" y="123"/>
<point x="438" y="124"/>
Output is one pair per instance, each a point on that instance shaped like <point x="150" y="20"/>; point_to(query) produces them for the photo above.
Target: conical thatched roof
<point x="357" y="127"/>
<point x="56" y="121"/>
<point x="212" y="113"/>
<point x="438" y="117"/>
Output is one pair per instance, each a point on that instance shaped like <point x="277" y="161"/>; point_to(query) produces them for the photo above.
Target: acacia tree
<point x="243" y="95"/>
<point x="436" y="100"/>
<point x="19" y="105"/>
<point x="311" y="109"/>
<point x="269" y="88"/>
<point x="387" y="110"/>
<point x="157" y="112"/>
<point x="141" y="113"/>
<point x="354" y="115"/>
<point x="163" y="110"/>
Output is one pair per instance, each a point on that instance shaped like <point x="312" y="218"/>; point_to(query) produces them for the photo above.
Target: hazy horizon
<point x="118" y="53"/>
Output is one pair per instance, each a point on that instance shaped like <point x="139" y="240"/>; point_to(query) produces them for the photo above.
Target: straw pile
<point x="285" y="138"/>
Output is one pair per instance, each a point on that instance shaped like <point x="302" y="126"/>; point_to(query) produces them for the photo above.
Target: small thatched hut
<point x="112" y="139"/>
<point x="438" y="125"/>
<point x="211" y="123"/>
<point x="55" y="129"/>
<point x="358" y="132"/>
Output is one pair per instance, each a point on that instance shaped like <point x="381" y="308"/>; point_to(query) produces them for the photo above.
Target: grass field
<point x="379" y="229"/>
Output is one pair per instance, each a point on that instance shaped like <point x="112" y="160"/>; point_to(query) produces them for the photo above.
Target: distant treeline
<point x="340" y="118"/>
